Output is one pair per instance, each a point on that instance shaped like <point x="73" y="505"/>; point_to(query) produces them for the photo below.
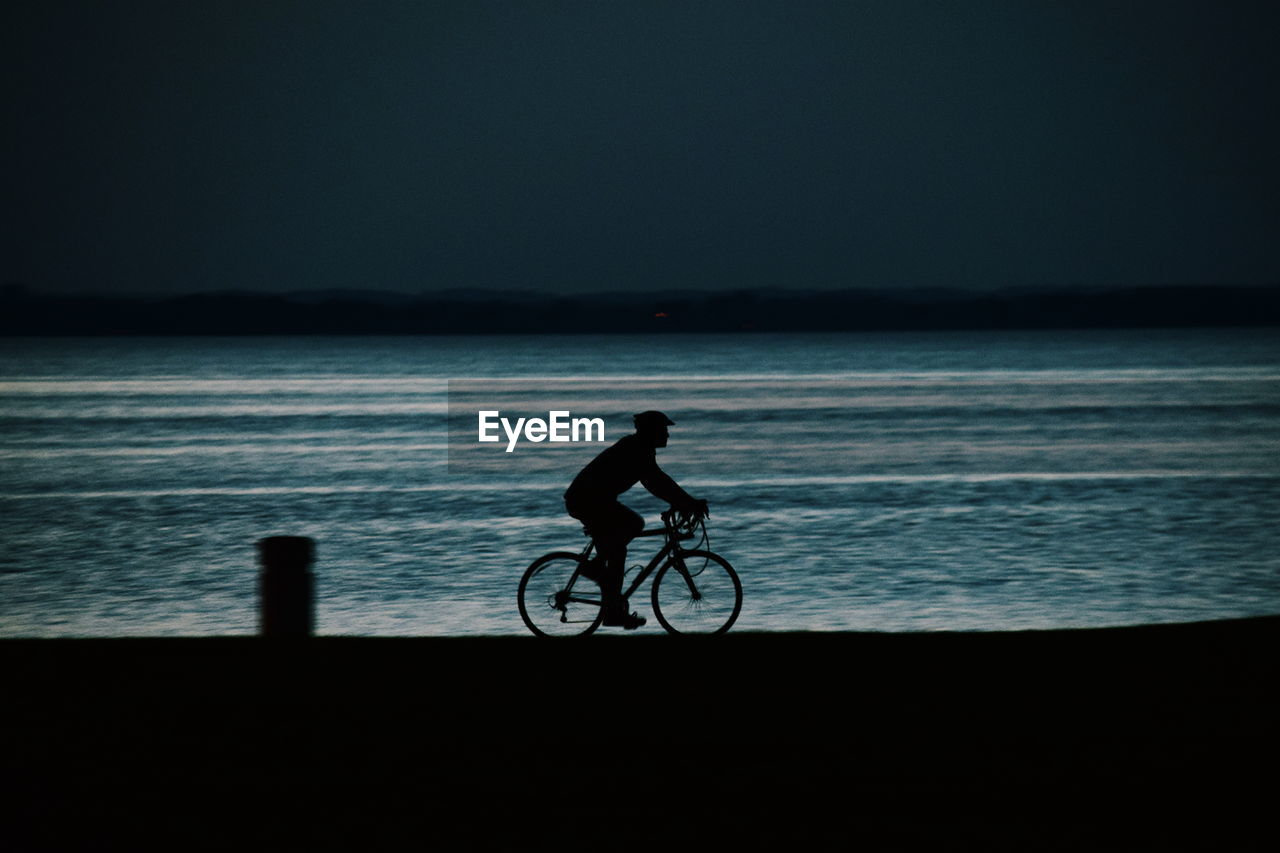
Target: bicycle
<point x="695" y="591"/>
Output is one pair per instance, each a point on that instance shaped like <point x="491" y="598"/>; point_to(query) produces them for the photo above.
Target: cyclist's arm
<point x="660" y="485"/>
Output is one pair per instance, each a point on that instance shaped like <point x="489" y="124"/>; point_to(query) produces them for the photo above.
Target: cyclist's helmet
<point x="650" y="419"/>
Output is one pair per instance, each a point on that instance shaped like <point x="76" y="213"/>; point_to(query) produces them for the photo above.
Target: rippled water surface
<point x="868" y="482"/>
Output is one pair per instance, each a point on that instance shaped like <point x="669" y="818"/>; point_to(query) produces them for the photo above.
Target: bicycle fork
<point x="679" y="566"/>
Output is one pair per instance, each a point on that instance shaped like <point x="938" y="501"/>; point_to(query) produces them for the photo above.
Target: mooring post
<point x="286" y="586"/>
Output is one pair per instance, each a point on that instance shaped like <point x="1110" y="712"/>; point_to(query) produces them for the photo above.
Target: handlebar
<point x="682" y="525"/>
<point x="680" y="521"/>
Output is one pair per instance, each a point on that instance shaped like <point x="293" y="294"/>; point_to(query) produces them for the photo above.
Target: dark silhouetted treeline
<point x="24" y="312"/>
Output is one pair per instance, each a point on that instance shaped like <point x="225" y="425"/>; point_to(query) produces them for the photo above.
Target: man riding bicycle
<point x="592" y="498"/>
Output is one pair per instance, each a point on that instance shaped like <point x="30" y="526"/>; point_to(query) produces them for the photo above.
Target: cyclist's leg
<point x="612" y="526"/>
<point x="599" y="526"/>
<point x="624" y="525"/>
<point x="618" y="525"/>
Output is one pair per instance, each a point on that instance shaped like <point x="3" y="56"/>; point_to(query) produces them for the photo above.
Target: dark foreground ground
<point x="1116" y="739"/>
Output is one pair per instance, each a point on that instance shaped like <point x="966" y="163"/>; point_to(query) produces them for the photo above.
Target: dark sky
<point x="605" y="145"/>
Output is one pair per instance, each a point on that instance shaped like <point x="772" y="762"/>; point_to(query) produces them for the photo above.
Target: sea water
<point x="879" y="482"/>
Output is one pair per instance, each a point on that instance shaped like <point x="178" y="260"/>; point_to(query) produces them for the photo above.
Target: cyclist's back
<point x="619" y="467"/>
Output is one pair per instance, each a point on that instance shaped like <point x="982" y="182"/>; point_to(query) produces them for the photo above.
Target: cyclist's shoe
<point x="620" y="618"/>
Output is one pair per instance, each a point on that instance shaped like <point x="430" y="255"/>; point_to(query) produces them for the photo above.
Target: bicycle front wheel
<point x="555" y="603"/>
<point x="697" y="592"/>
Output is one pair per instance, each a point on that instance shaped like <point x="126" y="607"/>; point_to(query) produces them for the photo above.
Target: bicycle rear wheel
<point x="697" y="592"/>
<point x="550" y="606"/>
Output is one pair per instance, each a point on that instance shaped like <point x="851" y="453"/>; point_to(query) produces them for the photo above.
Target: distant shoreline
<point x="25" y="312"/>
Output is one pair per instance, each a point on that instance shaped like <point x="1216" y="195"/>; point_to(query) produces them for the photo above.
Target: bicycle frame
<point x="670" y="547"/>
<point x="685" y="600"/>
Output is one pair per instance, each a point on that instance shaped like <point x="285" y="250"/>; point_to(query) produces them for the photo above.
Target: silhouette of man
<point x="592" y="498"/>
